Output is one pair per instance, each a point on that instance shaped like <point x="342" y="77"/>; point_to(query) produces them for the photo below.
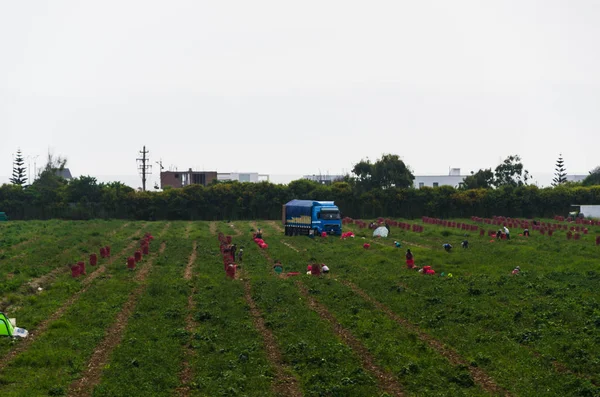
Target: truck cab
<point x="326" y="218"/>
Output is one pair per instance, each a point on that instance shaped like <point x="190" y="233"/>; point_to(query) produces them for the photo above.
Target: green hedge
<point x="233" y="201"/>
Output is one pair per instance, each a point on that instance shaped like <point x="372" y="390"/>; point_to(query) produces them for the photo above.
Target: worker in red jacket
<point x="410" y="260"/>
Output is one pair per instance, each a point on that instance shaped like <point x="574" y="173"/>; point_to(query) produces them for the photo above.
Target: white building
<point x="242" y="176"/>
<point x="454" y="178"/>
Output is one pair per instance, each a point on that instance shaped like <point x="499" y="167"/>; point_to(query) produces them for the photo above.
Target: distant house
<point x="452" y="179"/>
<point x="242" y="176"/>
<point x="184" y="178"/>
<point x="64" y="173"/>
<point x="324" y="179"/>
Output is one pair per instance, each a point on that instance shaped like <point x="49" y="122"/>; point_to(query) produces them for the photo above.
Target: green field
<point x="177" y="326"/>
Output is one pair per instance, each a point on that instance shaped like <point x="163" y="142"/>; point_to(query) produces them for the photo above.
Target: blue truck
<point x="311" y="217"/>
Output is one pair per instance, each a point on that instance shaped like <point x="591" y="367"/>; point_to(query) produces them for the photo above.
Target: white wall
<point x="238" y="176"/>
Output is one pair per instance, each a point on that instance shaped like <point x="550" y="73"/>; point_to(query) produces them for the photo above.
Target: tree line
<point x="381" y="188"/>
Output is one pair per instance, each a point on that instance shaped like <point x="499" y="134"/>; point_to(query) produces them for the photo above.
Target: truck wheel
<point x="317" y="232"/>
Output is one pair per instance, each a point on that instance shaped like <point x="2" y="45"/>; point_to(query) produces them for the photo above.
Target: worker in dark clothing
<point x="233" y="249"/>
<point x="465" y="244"/>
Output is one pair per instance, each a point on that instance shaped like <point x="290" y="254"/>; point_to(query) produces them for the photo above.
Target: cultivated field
<point x="175" y="325"/>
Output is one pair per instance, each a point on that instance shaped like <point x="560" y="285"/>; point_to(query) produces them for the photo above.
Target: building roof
<point x="64" y="173"/>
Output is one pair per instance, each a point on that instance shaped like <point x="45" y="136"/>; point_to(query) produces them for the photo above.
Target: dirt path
<point x="213" y="228"/>
<point x="188" y="269"/>
<point x="386" y="380"/>
<point x="235" y="231"/>
<point x="43" y="326"/>
<point x="285" y="383"/>
<point x="123" y="226"/>
<point x="185" y="377"/>
<point x="276" y="226"/>
<point x="290" y="246"/>
<point x="114" y="334"/>
<point x="480" y="377"/>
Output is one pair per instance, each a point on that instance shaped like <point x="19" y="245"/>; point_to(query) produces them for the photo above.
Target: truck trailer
<point x="309" y="217"/>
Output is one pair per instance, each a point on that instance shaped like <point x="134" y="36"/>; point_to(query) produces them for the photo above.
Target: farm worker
<point x="258" y="234"/>
<point x="499" y="234"/>
<point x="397" y="244"/>
<point x="526" y="232"/>
<point x="240" y="254"/>
<point x="465" y="244"/>
<point x="278" y="267"/>
<point x="410" y="260"/>
<point x="387" y="227"/>
<point x="232" y="250"/>
<point x="447" y="247"/>
<point x="516" y="270"/>
<point x="316" y="269"/>
<point x="325" y="268"/>
<point x="507" y="232"/>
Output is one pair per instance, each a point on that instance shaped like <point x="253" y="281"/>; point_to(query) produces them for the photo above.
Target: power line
<point x="144" y="167"/>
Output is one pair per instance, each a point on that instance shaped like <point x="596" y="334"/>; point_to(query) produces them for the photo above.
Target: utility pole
<point x="143" y="167"/>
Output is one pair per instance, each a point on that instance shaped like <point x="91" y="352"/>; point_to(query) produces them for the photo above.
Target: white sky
<point x="296" y="88"/>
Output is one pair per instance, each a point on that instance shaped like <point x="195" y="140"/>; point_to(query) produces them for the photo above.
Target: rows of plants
<point x="322" y="363"/>
<point x="553" y="305"/>
<point x="31" y="304"/>
<point x="14" y="235"/>
<point x="59" y="355"/>
<point x="420" y="369"/>
<point x="148" y="360"/>
<point x="229" y="357"/>
<point x="535" y="333"/>
<point x="482" y="311"/>
<point x="51" y="249"/>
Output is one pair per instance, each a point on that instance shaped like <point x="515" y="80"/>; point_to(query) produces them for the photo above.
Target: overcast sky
<point x="298" y="88"/>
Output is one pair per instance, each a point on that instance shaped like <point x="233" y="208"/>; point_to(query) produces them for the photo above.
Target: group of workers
<point x="231" y="249"/>
<point x="506" y="233"/>
<point x="315" y="269"/>
<point x="410" y="259"/>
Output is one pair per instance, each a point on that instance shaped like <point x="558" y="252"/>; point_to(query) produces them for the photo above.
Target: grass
<point x="534" y="334"/>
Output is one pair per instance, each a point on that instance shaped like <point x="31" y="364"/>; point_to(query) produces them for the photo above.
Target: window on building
<point x="199" y="179"/>
<point x="176" y="176"/>
<point x="435" y="184"/>
<point x="421" y="184"/>
<point x="244" y="177"/>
